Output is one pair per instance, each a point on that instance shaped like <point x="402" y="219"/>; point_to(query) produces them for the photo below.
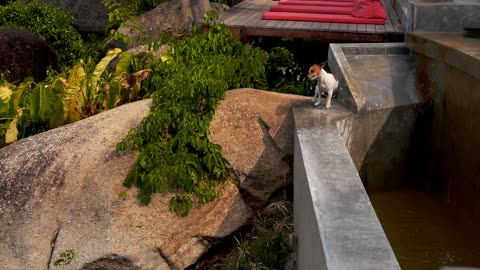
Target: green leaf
<point x="124" y="63"/>
<point x="12" y="132"/>
<point x="113" y="93"/>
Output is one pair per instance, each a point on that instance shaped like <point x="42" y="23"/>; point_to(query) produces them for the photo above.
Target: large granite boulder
<point x="255" y="131"/>
<point x="90" y="15"/>
<point x="61" y="190"/>
<point x="172" y="17"/>
<point x="23" y="54"/>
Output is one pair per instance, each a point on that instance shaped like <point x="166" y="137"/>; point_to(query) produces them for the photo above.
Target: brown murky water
<point x="424" y="232"/>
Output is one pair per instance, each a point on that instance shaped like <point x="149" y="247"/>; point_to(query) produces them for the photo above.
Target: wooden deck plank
<point x="246" y="15"/>
<point x="342" y="27"/>
<point x="380" y="29"/>
<point x="274" y="24"/>
<point x="362" y="28"/>
<point x="239" y="17"/>
<point x="352" y="27"/>
<point x="333" y="27"/>
<point x="394" y="19"/>
<point x="389" y="26"/>
<point x="370" y="28"/>
<point x="289" y="24"/>
<point x="304" y="25"/>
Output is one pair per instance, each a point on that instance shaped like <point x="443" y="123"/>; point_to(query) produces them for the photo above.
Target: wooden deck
<point x="245" y="19"/>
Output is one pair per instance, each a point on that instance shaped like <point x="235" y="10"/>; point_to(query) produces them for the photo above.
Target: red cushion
<point x="316" y="3"/>
<point x="312" y="9"/>
<point x="310" y="17"/>
<point x="368" y="9"/>
<point x="327" y="0"/>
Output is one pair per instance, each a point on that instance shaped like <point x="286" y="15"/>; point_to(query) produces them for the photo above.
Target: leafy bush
<point x="31" y="108"/>
<point x="285" y="76"/>
<point x="175" y="152"/>
<point x="48" y="22"/>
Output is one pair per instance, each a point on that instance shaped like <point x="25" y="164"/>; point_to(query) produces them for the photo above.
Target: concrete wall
<point x="446" y="15"/>
<point x="449" y="65"/>
<point x="335" y="223"/>
<point x="388" y="146"/>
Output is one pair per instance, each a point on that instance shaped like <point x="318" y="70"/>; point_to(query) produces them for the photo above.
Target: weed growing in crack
<point x="267" y="247"/>
<point x="66" y="258"/>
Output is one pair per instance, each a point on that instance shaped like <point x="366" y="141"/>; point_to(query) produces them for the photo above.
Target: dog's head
<point x="314" y="71"/>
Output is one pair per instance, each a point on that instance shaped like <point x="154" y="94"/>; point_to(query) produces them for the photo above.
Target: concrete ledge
<point x="336" y="225"/>
<point x="442" y="15"/>
<point x="454" y="49"/>
<point x="374" y="76"/>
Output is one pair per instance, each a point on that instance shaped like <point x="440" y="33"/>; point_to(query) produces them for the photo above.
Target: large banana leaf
<point x="97" y="73"/>
<point x="41" y="102"/>
<point x="19" y="93"/>
<point x="124" y="63"/>
<point x="57" y="91"/>
<point x="12" y="132"/>
<point x="112" y="91"/>
<point x="6" y="110"/>
<point x="74" y="99"/>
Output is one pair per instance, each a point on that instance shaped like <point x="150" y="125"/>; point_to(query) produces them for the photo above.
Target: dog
<point x="326" y="82"/>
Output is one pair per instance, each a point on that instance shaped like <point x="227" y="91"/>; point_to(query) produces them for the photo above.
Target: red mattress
<point x="310" y="17"/>
<point x="312" y="9"/>
<point x="316" y="3"/>
<point x="325" y="0"/>
<point x="334" y="11"/>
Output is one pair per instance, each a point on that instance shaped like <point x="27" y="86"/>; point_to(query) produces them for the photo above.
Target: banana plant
<point x="10" y="111"/>
<point x="65" y="100"/>
<point x="123" y="86"/>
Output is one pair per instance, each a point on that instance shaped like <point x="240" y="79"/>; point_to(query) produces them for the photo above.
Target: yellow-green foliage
<point x="31" y="108"/>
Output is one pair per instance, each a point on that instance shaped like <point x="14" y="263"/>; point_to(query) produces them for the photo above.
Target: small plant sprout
<point x="122" y="195"/>
<point x="66" y="258"/>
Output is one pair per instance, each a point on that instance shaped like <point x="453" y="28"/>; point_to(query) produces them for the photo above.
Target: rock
<point x="90" y="15"/>
<point x="60" y="190"/>
<point x="255" y="131"/>
<point x="172" y="17"/>
<point x="23" y="54"/>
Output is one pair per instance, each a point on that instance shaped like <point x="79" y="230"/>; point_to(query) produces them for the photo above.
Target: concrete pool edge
<point x="350" y="93"/>
<point x="450" y="91"/>
<point x="336" y="225"/>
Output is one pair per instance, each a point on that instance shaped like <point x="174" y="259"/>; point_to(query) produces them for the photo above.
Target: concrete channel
<point x="406" y="116"/>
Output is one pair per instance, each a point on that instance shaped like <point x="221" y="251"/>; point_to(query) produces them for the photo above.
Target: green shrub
<point x="48" y="22"/>
<point x="285" y="76"/>
<point x="175" y="152"/>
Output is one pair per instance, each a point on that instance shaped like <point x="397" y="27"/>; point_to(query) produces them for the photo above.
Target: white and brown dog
<point x="326" y="82"/>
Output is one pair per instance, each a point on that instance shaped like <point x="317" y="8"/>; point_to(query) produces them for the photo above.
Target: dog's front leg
<point x="315" y="96"/>
<point x="329" y="99"/>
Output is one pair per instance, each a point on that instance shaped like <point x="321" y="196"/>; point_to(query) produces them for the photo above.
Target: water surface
<point x="424" y="232"/>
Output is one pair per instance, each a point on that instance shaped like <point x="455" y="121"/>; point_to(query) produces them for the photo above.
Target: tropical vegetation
<point x="186" y="85"/>
<point x="86" y="89"/>
<point x="48" y="22"/>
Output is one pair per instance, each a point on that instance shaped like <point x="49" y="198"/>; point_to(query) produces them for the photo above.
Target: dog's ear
<point x="322" y="64"/>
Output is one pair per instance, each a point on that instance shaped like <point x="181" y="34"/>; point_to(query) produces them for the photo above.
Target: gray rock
<point x="60" y="190"/>
<point x="173" y="17"/>
<point x="90" y="15"/>
<point x="23" y="54"/>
